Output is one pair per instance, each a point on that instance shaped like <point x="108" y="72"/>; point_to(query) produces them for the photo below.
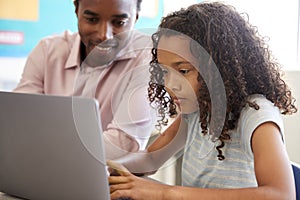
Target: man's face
<point x="104" y="26"/>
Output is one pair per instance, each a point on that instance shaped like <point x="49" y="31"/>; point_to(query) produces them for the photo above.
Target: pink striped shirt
<point x="53" y="67"/>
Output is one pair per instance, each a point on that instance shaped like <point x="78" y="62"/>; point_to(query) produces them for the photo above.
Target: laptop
<point x="51" y="147"/>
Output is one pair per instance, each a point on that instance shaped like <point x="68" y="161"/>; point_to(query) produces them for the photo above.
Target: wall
<point x="292" y="123"/>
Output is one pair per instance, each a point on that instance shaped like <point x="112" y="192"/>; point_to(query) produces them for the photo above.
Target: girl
<point x="212" y="68"/>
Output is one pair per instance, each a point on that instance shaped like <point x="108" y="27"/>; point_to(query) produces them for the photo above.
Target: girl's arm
<point x="272" y="168"/>
<point x="167" y="136"/>
<point x="171" y="141"/>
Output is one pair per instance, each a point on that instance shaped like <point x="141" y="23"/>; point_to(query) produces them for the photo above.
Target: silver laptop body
<point x="51" y="148"/>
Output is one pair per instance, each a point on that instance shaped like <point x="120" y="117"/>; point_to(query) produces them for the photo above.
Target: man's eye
<point x="120" y="23"/>
<point x="91" y="19"/>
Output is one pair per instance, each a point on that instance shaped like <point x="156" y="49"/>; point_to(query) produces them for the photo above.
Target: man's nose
<point x="104" y="31"/>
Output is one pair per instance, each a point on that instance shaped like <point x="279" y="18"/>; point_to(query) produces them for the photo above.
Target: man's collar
<point x="74" y="56"/>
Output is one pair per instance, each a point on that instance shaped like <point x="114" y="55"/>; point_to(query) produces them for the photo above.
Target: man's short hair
<point x="138" y="4"/>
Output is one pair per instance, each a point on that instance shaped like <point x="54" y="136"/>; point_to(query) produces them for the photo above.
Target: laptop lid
<point x="51" y="147"/>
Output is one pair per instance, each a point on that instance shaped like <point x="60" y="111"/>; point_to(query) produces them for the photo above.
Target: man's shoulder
<point x="60" y="45"/>
<point x="67" y="37"/>
<point x="63" y="48"/>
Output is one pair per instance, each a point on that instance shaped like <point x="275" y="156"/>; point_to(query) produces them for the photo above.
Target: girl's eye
<point x="184" y="71"/>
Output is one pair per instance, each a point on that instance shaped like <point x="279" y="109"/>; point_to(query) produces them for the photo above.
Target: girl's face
<point x="180" y="71"/>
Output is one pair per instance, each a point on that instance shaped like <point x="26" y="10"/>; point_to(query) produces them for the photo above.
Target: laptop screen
<point x="51" y="147"/>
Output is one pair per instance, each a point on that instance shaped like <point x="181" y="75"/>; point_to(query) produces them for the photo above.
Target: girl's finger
<point x="121" y="194"/>
<point x="114" y="188"/>
<point x="118" y="168"/>
<point x="117" y="179"/>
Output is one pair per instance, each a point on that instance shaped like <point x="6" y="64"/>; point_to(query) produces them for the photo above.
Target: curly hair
<point x="242" y="58"/>
<point x="138" y="4"/>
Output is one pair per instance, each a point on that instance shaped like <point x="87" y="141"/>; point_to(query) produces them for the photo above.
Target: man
<point x="105" y="60"/>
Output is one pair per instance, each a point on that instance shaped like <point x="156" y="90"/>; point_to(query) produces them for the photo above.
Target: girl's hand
<point x="124" y="184"/>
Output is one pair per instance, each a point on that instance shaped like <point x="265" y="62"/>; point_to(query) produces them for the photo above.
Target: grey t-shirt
<point x="201" y="167"/>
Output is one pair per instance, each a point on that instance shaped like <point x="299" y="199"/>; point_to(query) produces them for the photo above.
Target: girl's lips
<point x="177" y="100"/>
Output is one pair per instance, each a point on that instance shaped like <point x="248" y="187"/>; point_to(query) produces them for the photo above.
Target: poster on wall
<point x="16" y="10"/>
<point x="24" y="22"/>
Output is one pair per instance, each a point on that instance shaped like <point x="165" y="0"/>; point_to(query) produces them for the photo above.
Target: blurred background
<point x="24" y="22"/>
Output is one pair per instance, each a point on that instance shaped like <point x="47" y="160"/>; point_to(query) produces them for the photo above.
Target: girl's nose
<point x="173" y="81"/>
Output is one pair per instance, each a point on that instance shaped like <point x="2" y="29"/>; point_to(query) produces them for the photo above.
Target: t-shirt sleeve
<point x="250" y="119"/>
